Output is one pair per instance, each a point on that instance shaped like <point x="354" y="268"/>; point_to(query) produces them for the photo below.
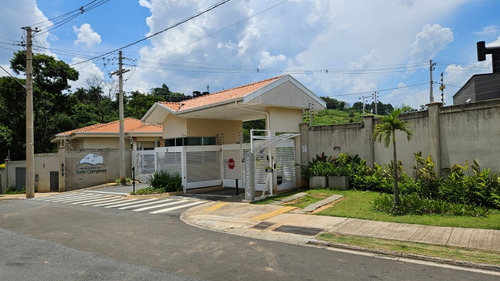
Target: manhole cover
<point x="263" y="225"/>
<point x="309" y="231"/>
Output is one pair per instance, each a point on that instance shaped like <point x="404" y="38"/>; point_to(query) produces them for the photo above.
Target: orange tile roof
<point x="218" y="96"/>
<point x="129" y="124"/>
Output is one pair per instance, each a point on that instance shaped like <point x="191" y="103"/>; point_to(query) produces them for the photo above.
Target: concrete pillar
<point x="369" y="126"/>
<point x="62" y="169"/>
<point x="304" y="148"/>
<point x="434" y="135"/>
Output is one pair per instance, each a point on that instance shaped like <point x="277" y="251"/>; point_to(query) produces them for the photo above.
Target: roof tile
<point x="129" y="125"/>
<point x="218" y="96"/>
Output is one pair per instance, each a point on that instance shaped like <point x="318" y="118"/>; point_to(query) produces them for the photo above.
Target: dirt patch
<point x="326" y="206"/>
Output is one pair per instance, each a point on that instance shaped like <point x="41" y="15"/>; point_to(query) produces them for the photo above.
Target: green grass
<point x="358" y="204"/>
<point x="456" y="253"/>
<point x="334" y="116"/>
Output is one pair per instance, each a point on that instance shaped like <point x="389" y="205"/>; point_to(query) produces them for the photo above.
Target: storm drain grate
<point x="263" y="225"/>
<point x="309" y="231"/>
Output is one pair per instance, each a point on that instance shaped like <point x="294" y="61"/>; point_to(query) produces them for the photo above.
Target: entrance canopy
<point x="244" y="103"/>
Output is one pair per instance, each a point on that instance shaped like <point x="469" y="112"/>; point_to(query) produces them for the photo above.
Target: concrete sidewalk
<point x="280" y="223"/>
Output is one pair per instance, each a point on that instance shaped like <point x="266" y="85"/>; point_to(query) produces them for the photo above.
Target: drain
<point x="263" y="225"/>
<point x="308" y="231"/>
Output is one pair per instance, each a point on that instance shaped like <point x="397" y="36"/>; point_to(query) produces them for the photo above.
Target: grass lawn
<point x="358" y="204"/>
<point x="455" y="253"/>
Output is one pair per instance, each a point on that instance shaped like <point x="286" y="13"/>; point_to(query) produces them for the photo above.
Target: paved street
<point x="152" y="205"/>
<point x="45" y="240"/>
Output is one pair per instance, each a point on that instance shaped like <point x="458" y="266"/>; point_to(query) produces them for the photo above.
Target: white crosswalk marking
<point x="175" y="208"/>
<point x="128" y="203"/>
<point x="158" y="206"/>
<point x="107" y="201"/>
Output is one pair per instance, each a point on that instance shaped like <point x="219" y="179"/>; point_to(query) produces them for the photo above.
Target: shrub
<point x="471" y="185"/>
<point x="142" y="191"/>
<point x="163" y="182"/>
<point x="415" y="205"/>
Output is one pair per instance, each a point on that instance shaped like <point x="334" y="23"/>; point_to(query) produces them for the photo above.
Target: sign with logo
<point x="231" y="163"/>
<point x="91" y="164"/>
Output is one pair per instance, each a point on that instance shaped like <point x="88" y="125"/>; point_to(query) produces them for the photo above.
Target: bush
<point x="415" y="205"/>
<point x="163" y="182"/>
<point x="471" y="185"/>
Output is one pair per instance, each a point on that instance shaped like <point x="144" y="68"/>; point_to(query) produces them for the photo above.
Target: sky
<point x="343" y="49"/>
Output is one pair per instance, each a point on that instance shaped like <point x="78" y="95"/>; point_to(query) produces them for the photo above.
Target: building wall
<point x="79" y="175"/>
<point x="451" y="135"/>
<point x="174" y="127"/>
<point x="44" y="164"/>
<point x="100" y="143"/>
<point x="284" y="119"/>
<point x="210" y="128"/>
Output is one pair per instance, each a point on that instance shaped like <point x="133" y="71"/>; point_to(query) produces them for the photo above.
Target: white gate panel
<point x="285" y="164"/>
<point x="203" y="166"/>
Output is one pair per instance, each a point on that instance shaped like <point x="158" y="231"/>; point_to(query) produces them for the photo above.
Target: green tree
<point x="50" y="78"/>
<point x="139" y="104"/>
<point x="386" y="130"/>
<point x="12" y="118"/>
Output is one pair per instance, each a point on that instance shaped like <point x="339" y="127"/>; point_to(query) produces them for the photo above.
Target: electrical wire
<point x="156" y="33"/>
<point x="56" y="22"/>
<point x="382" y="90"/>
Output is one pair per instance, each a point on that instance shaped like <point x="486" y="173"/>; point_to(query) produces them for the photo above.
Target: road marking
<point x="218" y="206"/>
<point x="129" y="203"/>
<point x="139" y="205"/>
<point x="93" y="200"/>
<point x="106" y="201"/>
<point x="175" y="208"/>
<point x="273" y="213"/>
<point x="106" y="192"/>
<point x="121" y="200"/>
<point x="159" y="206"/>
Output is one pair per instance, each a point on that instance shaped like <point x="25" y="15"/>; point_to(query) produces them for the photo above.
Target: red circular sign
<point x="231" y="163"/>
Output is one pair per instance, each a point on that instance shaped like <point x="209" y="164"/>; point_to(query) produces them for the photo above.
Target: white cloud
<point x="428" y="42"/>
<point x="490" y="29"/>
<point x="495" y="43"/>
<point x="267" y="60"/>
<point x="145" y="4"/>
<point x="87" y="71"/>
<point x="86" y="36"/>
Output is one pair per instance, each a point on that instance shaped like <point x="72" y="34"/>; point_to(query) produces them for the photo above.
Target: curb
<point x="482" y="266"/>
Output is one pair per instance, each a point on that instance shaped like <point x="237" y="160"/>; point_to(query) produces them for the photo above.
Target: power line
<point x="53" y="23"/>
<point x="382" y="90"/>
<point x="156" y="33"/>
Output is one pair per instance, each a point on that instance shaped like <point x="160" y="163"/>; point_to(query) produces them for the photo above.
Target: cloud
<point x="87" y="71"/>
<point x="267" y="60"/>
<point x="495" y="43"/>
<point x="490" y="29"/>
<point x="428" y="42"/>
<point x="86" y="36"/>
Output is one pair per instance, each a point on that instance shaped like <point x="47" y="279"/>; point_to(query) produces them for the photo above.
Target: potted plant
<point x="317" y="171"/>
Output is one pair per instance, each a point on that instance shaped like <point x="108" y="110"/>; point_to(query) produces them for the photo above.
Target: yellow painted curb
<point x="274" y="213"/>
<point x="218" y="206"/>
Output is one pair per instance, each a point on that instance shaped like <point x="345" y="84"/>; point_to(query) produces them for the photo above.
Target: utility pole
<point x="120" y="113"/>
<point x="442" y="87"/>
<point x="363" y="98"/>
<point x="30" y="149"/>
<point x="431" y="68"/>
<point x="375" y="98"/>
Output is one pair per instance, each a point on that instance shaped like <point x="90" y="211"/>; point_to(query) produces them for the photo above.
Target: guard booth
<point x="204" y="142"/>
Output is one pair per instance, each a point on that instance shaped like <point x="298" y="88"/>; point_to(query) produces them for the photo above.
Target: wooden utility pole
<point x="120" y="113"/>
<point x="30" y="149"/>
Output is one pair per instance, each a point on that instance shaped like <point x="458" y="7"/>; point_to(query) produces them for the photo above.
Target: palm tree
<point x="387" y="130"/>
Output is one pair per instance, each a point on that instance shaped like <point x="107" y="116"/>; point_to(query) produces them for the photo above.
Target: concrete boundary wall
<point x="450" y="135"/>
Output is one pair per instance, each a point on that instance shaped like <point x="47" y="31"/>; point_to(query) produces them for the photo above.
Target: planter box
<point x="338" y="182"/>
<point x="318" y="182"/>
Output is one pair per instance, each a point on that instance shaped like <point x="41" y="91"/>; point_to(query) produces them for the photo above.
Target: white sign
<point x="92" y="159"/>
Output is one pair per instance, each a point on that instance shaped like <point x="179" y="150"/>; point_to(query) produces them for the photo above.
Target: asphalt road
<point x="42" y="240"/>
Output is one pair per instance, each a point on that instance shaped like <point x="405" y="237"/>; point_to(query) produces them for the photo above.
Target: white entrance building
<point x="203" y="139"/>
